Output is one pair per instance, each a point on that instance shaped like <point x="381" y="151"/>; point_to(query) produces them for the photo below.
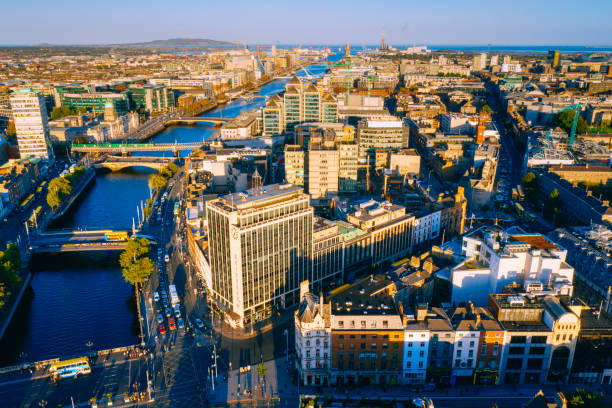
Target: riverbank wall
<point x="15" y="304"/>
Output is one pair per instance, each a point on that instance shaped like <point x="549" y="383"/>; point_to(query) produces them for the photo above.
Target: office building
<point x="497" y="258"/>
<point x="260" y="248"/>
<point x="416" y="347"/>
<point x="381" y="133"/>
<point x="31" y="123"/>
<point x="97" y="101"/>
<point x="479" y="62"/>
<point x="300" y="103"/>
<point x="151" y="98"/>
<point x="554" y="57"/>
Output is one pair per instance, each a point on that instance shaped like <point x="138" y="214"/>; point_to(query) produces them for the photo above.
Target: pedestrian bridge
<point x="125" y="148"/>
<point x="70" y="241"/>
<point x="116" y="163"/>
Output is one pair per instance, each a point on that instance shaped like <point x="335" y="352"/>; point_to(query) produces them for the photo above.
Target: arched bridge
<point x="116" y="163"/>
<point x="125" y="148"/>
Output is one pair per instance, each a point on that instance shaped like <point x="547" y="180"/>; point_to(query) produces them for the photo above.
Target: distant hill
<point x="177" y="42"/>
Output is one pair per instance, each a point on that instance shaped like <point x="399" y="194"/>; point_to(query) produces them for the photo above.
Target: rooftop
<point x="369" y="296"/>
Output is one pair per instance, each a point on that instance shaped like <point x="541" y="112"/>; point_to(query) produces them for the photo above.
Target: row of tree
<point x="60" y="111"/>
<point x="10" y="265"/>
<point x="552" y="204"/>
<point x="61" y="186"/>
<point x="135" y="261"/>
<point x="160" y="179"/>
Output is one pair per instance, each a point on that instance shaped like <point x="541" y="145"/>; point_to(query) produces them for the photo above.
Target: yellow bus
<point x="400" y="262"/>
<point x="70" y="368"/>
<point x="116" y="236"/>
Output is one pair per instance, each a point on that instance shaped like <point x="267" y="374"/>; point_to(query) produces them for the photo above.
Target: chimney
<point x="421" y="312"/>
<point x="304" y="289"/>
<point x="415" y="262"/>
<point x="470" y="307"/>
<point x="321" y="301"/>
<point x="477" y="320"/>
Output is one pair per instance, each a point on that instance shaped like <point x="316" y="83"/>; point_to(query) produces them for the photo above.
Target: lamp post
<point x="286" y="333"/>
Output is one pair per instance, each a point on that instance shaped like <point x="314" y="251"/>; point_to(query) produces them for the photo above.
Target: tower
<point x="347" y="50"/>
<point x="30" y="115"/>
<point x="382" y="40"/>
<point x="110" y="114"/>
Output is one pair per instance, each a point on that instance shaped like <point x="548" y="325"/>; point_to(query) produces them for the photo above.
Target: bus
<point x="26" y="203"/>
<point x="176" y="208"/>
<point x="116" y="236"/>
<point x="35" y="216"/>
<point x="70" y="368"/>
<point x="514" y="194"/>
<point x="400" y="262"/>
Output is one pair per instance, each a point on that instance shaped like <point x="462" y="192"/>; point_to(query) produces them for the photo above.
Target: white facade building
<point x="426" y="228"/>
<point x="416" y="349"/>
<point x="31" y="123"/>
<point x="313" y="338"/>
<point x="496" y="258"/>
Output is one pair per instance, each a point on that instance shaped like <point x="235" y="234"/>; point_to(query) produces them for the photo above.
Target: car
<point x="160" y="318"/>
<point x="181" y="323"/>
<point x="162" y="329"/>
<point x="156" y="296"/>
<point x="171" y="324"/>
<point x="166" y="304"/>
<point x="164" y="294"/>
<point x="168" y="312"/>
<point x="177" y="313"/>
<point x="199" y="323"/>
<point x="167" y="258"/>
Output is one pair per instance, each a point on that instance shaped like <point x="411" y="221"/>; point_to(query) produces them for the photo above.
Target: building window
<point x="408" y="364"/>
<point x="385" y="324"/>
<point x="420" y="364"/>
<point x="421" y="353"/>
<point x="458" y="353"/>
<point x="363" y="345"/>
<point x="373" y="346"/>
<point x="363" y="324"/>
<point x="409" y="344"/>
<point x="341" y="324"/>
<point x="409" y="353"/>
<point x="460" y="343"/>
<point x="341" y="346"/>
<point x="471" y="344"/>
<point x="341" y="336"/>
<point x="483" y="349"/>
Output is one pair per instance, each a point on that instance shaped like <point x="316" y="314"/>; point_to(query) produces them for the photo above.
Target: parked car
<point x="162" y="329"/>
<point x="168" y="313"/>
<point x="199" y="323"/>
<point x="156" y="296"/>
<point x="167" y="258"/>
<point x="171" y="324"/>
<point x="181" y="323"/>
<point x="160" y="318"/>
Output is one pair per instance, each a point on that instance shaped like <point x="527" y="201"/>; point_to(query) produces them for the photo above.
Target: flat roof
<point x="535" y="241"/>
<point x="365" y="297"/>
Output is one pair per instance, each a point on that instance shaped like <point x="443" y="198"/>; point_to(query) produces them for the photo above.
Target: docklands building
<point x="260" y="249"/>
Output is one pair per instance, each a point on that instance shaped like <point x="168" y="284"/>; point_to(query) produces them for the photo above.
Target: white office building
<point x="31" y="124"/>
<point x="416" y="348"/>
<point x="495" y="258"/>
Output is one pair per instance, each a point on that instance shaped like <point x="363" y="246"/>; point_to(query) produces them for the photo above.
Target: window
<point x="408" y="364"/>
<point x="460" y="344"/>
<point x="374" y="336"/>
<point x="409" y="353"/>
<point x="341" y="346"/>
<point x="421" y="353"/>
<point x="470" y="362"/>
<point x="352" y="336"/>
<point x="373" y="346"/>
<point x="363" y="345"/>
<point x="457" y="362"/>
<point x="538" y="340"/>
<point x="341" y="336"/>
<point x="458" y="353"/>
<point x="420" y="364"/>
<point x="516" y="350"/>
<point x="307" y="353"/>
<point x="307" y="342"/>
<point x="483" y="349"/>
<point x="534" y="363"/>
<point x="422" y="344"/>
<point x="318" y="342"/>
<point x="518" y="339"/>
<point x="409" y="344"/>
<point x="363" y="324"/>
<point x="495" y="348"/>
<point x="341" y="324"/>
<point x="395" y="345"/>
<point x="471" y="353"/>
<point x="471" y="344"/>
<point x="352" y="324"/>
<point x="514" y="363"/>
<point x="385" y="324"/>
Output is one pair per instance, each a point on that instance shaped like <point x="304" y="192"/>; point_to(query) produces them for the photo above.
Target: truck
<point x="173" y="295"/>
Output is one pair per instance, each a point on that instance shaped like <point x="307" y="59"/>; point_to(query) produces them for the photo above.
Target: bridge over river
<point x="70" y="241"/>
<point x="125" y="148"/>
<point x="116" y="163"/>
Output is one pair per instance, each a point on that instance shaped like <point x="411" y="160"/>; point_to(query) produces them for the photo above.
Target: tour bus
<point x="176" y="208"/>
<point x="116" y="236"/>
<point x="70" y="368"/>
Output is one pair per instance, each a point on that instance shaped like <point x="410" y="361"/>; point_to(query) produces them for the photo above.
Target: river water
<point x="77" y="298"/>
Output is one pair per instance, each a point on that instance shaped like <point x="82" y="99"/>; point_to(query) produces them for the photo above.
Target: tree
<point x="564" y="120"/>
<point x="61" y="111"/>
<point x="585" y="398"/>
<point x="139" y="271"/>
<point x="261" y="370"/>
<point x="530" y="185"/>
<point x="173" y="168"/>
<point x="553" y="205"/>
<point x="485" y="108"/>
<point x="135" y="262"/>
<point x="134" y="250"/>
<point x="10" y="129"/>
<point x="157" y="181"/>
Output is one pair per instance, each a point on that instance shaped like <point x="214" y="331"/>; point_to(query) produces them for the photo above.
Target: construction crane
<point x="578" y="108"/>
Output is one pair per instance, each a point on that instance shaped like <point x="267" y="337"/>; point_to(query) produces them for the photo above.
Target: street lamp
<point x="286" y="333"/>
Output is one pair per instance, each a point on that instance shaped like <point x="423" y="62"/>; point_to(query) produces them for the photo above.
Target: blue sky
<point x="457" y="22"/>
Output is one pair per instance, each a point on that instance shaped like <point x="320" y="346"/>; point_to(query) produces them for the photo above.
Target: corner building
<point x="260" y="249"/>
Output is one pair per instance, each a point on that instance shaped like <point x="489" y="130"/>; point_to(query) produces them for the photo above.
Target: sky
<point x="359" y="22"/>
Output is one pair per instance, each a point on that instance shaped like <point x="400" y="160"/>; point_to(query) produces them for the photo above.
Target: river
<point x="77" y="298"/>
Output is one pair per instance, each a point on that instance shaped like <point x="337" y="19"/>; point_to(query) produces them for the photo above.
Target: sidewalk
<point x="260" y="327"/>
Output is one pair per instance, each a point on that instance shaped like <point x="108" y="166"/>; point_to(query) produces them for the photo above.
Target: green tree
<point x="139" y="271"/>
<point x="173" y="168"/>
<point x="585" y="398"/>
<point x="10" y="129"/>
<point x="530" y="185"/>
<point x="261" y="370"/>
<point x="484" y="108"/>
<point x="165" y="172"/>
<point x="553" y="205"/>
<point x="134" y="250"/>
<point x="10" y="265"/>
<point x="157" y="181"/>
<point x="61" y="111"/>
<point x="4" y="294"/>
<point x="564" y="120"/>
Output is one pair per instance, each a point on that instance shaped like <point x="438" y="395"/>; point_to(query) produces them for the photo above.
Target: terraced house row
<point x="362" y="334"/>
